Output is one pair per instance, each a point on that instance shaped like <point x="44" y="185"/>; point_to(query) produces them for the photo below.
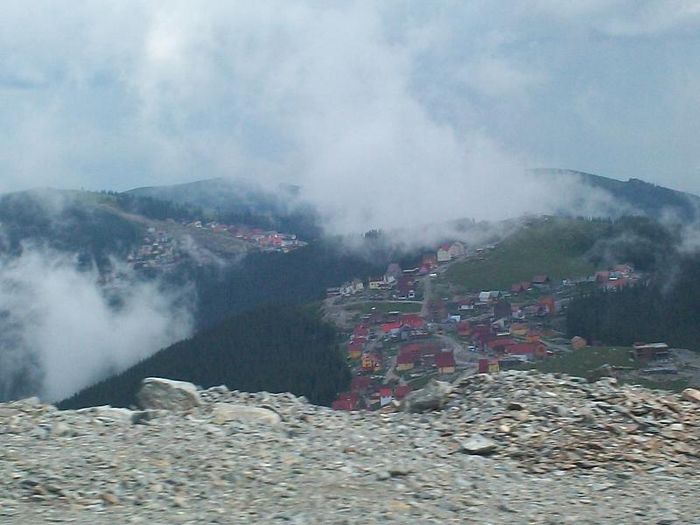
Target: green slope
<point x="552" y="246"/>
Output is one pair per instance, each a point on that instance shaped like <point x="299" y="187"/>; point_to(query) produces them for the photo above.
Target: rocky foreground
<point x="512" y="448"/>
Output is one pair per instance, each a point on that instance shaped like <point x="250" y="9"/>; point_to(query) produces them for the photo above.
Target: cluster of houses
<point x="271" y="241"/>
<point x="401" y="283"/>
<point x="620" y="276"/>
<point x="367" y="393"/>
<point x="426" y="356"/>
<point x="503" y="329"/>
<point x="157" y="250"/>
<point x="366" y="352"/>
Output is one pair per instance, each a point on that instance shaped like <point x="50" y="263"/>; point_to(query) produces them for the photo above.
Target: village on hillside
<point x="163" y="247"/>
<point x="401" y="333"/>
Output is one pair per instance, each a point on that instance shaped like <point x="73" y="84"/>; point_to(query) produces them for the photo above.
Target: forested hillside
<point x="74" y="222"/>
<point x="665" y="309"/>
<point x="274" y="348"/>
<point x="636" y="195"/>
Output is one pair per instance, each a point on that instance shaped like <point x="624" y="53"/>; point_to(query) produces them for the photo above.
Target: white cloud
<point x="366" y="105"/>
<point x="65" y="329"/>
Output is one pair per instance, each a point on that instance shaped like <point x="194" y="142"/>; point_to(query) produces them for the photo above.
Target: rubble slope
<point x="519" y="447"/>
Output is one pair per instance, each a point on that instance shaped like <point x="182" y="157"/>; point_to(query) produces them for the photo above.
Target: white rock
<point x="108" y="412"/>
<point x="691" y="394"/>
<point x="226" y="412"/>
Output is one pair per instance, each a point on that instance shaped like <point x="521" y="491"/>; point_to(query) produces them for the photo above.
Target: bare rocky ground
<point x="514" y="448"/>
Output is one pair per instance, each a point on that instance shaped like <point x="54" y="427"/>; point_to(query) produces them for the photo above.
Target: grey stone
<point x="479" y="445"/>
<point x="433" y="396"/>
<point x="166" y="394"/>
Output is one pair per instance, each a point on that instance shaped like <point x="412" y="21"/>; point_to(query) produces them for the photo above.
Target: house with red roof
<point x="405" y="362"/>
<point x="464" y="328"/>
<point x="616" y="284"/>
<point x="528" y="350"/>
<point x="391" y="328"/>
<point x="445" y="362"/>
<point x="500" y="344"/>
<point x="385" y="396"/>
<point x="346" y="401"/>
<point x="401" y="391"/>
<point x="489" y="366"/>
<point x="413" y="321"/>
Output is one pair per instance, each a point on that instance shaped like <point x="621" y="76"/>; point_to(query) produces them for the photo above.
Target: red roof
<point x="445" y="246"/>
<point x="504" y="342"/>
<point x="619" y="283"/>
<point x="345" y="401"/>
<point x="385" y="391"/>
<point x="445" y="360"/>
<point x="405" y="359"/>
<point x="523" y="348"/>
<point x="388" y="327"/>
<point x="401" y="391"/>
<point x="418" y="349"/>
<point x="412" y="320"/>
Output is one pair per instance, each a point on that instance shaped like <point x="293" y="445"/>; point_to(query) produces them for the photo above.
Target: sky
<point x="423" y="105"/>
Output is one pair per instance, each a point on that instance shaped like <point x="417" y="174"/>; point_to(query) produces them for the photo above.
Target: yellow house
<point x="371" y="362"/>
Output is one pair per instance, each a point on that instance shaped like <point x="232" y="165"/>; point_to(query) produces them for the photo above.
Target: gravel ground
<point x="515" y="448"/>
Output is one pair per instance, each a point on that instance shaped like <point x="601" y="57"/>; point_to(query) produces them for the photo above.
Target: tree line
<point x="271" y="348"/>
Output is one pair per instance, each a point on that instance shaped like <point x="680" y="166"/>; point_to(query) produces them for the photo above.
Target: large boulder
<point x="433" y="396"/>
<point x="691" y="394"/>
<point x="165" y="394"/>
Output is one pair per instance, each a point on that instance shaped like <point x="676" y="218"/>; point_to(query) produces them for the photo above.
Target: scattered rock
<point x="224" y="413"/>
<point x="555" y="445"/>
<point x="108" y="412"/>
<point x="433" y="396"/>
<point x="479" y="445"/>
<point x="165" y="394"/>
<point x="109" y="498"/>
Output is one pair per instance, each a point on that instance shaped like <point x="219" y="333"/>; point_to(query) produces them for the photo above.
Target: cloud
<point x="61" y="331"/>
<point x="377" y="110"/>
